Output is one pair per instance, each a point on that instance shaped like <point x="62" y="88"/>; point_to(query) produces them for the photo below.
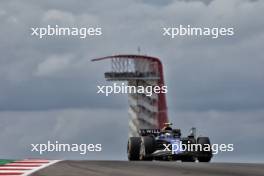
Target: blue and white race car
<point x="168" y="144"/>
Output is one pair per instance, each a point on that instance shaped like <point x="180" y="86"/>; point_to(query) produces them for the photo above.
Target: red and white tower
<point x="139" y="70"/>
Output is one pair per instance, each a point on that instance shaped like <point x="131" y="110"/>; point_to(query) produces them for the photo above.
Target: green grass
<point x="5" y="161"/>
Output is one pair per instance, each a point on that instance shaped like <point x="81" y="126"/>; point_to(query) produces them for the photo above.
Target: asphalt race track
<point x="125" y="168"/>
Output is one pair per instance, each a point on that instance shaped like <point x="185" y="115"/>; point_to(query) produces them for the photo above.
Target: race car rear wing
<point x="146" y="132"/>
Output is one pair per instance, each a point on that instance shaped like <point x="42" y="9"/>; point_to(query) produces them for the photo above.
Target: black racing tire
<point x="189" y="159"/>
<point x="133" y="148"/>
<point x="204" y="156"/>
<point x="147" y="147"/>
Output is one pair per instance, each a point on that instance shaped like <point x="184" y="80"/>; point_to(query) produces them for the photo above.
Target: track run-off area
<point x="145" y="168"/>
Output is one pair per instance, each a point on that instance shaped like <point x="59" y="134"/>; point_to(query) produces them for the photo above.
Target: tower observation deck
<point x="140" y="70"/>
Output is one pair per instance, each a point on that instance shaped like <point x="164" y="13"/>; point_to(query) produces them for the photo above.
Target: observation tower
<point x="139" y="70"/>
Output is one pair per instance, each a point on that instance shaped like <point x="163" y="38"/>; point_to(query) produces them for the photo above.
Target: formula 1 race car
<point x="167" y="144"/>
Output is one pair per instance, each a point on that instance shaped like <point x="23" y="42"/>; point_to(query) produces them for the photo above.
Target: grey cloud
<point x="203" y="75"/>
<point x="204" y="1"/>
<point x="31" y="53"/>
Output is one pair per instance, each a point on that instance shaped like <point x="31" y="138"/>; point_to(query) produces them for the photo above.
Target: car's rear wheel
<point x="206" y="154"/>
<point x="188" y="159"/>
<point x="133" y="148"/>
<point x="147" y="147"/>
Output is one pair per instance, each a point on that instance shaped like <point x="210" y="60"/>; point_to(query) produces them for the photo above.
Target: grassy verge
<point x="4" y="161"/>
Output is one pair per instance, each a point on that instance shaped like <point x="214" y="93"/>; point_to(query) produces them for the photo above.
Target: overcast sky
<point x="48" y="86"/>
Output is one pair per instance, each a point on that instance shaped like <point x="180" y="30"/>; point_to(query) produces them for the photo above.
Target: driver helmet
<point x="167" y="127"/>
